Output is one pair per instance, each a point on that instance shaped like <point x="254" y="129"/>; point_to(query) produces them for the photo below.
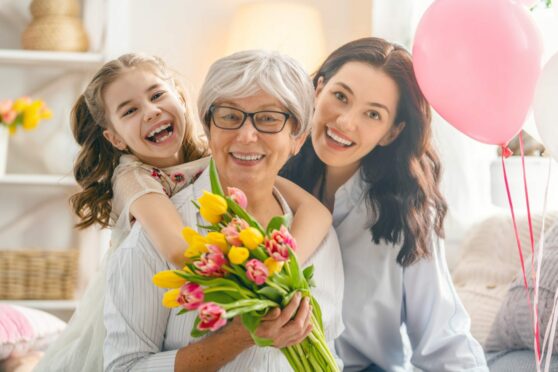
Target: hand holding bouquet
<point x="241" y="269"/>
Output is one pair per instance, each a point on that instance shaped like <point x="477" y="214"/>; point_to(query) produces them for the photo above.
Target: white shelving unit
<point x="38" y="180"/>
<point x="34" y="208"/>
<point x="64" y="60"/>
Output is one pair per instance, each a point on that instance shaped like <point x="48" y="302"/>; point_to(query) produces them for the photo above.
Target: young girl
<point x="139" y="147"/>
<point x="371" y="162"/>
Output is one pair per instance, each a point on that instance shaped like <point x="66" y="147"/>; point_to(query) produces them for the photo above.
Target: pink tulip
<point x="238" y="196"/>
<point x="191" y="296"/>
<point x="8" y="116"/>
<point x="6" y="105"/>
<point x="256" y="271"/>
<point x="232" y="230"/>
<point x="278" y="244"/>
<point x="212" y="317"/>
<point x="211" y="263"/>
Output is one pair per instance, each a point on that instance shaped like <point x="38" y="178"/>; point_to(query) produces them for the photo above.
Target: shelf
<point x="65" y="60"/>
<point x="44" y="304"/>
<point x="38" y="180"/>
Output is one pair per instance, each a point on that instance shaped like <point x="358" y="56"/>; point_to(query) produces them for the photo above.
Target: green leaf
<point x="248" y="309"/>
<point x="298" y="281"/>
<point x="317" y="311"/>
<point x="182" y="311"/>
<point x="271" y="293"/>
<point x="240" y="212"/>
<point x="220" y="298"/>
<point x="214" y="179"/>
<point x="275" y="224"/>
<point x="195" y="331"/>
<point x="250" y="321"/>
<point x="308" y="272"/>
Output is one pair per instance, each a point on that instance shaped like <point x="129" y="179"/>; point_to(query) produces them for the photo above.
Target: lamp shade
<point x="291" y="28"/>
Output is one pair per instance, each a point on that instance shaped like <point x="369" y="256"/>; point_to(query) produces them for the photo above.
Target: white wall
<point x="191" y="34"/>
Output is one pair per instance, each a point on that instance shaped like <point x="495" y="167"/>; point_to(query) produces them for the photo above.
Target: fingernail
<point x="307" y="299"/>
<point x="298" y="295"/>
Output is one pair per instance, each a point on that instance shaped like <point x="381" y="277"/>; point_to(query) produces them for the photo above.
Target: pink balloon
<point x="477" y="62"/>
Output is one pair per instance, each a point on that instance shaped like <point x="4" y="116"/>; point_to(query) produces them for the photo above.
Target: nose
<point x="152" y="112"/>
<point x="347" y="120"/>
<point x="247" y="132"/>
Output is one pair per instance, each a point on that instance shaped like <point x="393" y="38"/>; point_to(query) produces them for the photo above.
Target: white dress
<point x="144" y="336"/>
<point x="79" y="347"/>
<point x="396" y="316"/>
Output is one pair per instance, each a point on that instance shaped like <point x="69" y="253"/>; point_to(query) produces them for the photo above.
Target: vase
<point x="4" y="136"/>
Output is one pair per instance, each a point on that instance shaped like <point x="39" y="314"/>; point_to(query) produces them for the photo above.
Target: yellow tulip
<point x="213" y="203"/>
<point x="168" y="279"/>
<point x="273" y="266"/>
<point x="251" y="237"/>
<point x="210" y="217"/>
<point x="21" y="104"/>
<point x="170" y="298"/>
<point x="46" y="114"/>
<point x="186" y="269"/>
<point x="30" y="120"/>
<point x="237" y="255"/>
<point x="218" y="239"/>
<point x="196" y="246"/>
<point x="188" y="233"/>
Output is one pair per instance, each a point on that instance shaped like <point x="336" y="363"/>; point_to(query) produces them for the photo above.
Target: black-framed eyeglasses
<point x="230" y="118"/>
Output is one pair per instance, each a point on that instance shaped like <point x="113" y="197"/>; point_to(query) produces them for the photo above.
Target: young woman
<point x="371" y="162"/>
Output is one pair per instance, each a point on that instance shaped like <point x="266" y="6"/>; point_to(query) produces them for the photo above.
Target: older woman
<point x="256" y="107"/>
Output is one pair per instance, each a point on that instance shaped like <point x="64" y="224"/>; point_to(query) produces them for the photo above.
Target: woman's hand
<point x="282" y="328"/>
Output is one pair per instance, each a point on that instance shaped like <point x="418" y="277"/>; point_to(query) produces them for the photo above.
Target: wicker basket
<point x="38" y="274"/>
<point x="43" y="8"/>
<point x="57" y="33"/>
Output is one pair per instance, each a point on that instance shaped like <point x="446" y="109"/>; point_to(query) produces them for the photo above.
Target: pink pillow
<point x="23" y="329"/>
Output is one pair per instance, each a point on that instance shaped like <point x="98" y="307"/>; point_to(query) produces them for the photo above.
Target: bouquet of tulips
<point x="23" y="112"/>
<point x="241" y="269"/>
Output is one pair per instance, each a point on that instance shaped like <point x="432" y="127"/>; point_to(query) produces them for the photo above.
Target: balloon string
<point x="539" y="264"/>
<point x="532" y="241"/>
<point x="521" y="259"/>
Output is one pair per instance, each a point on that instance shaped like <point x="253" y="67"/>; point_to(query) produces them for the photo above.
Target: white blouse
<point x="142" y="335"/>
<point x="396" y="316"/>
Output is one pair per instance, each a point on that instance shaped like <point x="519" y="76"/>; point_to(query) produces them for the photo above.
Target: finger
<point x="290" y="310"/>
<point x="296" y="327"/>
<point x="305" y="334"/>
<point x="272" y="314"/>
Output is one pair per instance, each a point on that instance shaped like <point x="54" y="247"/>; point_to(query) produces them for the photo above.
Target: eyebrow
<point x="373" y="104"/>
<point x="128" y="101"/>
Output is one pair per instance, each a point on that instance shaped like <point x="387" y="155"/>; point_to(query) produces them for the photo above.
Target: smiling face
<point x="246" y="158"/>
<point x="146" y="116"/>
<point x="355" y="112"/>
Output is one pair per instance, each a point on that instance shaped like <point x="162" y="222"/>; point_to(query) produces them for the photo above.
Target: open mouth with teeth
<point x="160" y="133"/>
<point x="247" y="157"/>
<point x="337" y="139"/>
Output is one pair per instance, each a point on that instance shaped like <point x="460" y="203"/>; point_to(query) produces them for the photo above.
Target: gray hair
<point x="243" y="74"/>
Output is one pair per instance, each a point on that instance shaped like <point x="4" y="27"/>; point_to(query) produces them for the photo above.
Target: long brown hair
<point x="402" y="178"/>
<point x="97" y="158"/>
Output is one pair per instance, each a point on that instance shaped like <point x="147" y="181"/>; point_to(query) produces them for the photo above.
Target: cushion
<point x="488" y="264"/>
<point x="23" y="330"/>
<point x="512" y="327"/>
